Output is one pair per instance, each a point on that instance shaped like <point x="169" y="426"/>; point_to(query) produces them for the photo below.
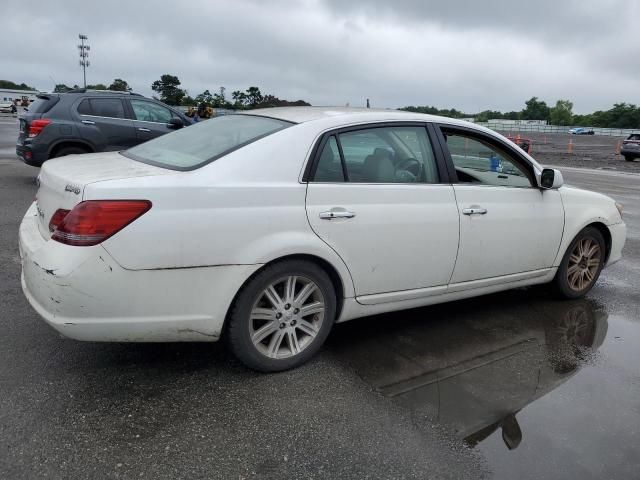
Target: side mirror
<point x="550" y="178"/>
<point x="175" y="123"/>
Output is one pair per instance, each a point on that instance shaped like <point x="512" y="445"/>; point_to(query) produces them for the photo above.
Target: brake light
<point x="36" y="126"/>
<point x="57" y="218"/>
<point x="93" y="221"/>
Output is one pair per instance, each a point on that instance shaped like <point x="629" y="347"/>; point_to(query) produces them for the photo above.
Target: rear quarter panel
<point x="245" y="208"/>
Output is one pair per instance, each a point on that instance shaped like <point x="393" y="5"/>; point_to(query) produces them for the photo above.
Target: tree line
<point x="621" y="115"/>
<point x="9" y="85"/>
<point x="169" y="91"/>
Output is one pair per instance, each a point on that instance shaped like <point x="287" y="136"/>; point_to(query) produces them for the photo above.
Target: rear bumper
<point x="84" y="294"/>
<point x="632" y="152"/>
<point x="618" y="239"/>
<point x="30" y="155"/>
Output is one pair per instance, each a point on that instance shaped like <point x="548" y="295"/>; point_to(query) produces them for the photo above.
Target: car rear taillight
<point x="57" y="218"/>
<point x="36" y="126"/>
<point x="93" y="221"/>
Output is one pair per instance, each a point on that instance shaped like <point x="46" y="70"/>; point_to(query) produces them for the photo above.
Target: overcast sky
<point x="470" y="55"/>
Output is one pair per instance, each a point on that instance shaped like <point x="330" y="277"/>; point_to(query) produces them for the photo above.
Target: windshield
<point x="197" y="145"/>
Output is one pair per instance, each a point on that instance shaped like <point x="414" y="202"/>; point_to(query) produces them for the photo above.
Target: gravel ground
<point x="589" y="151"/>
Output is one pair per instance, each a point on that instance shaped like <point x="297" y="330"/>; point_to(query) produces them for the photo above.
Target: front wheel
<point x="282" y="316"/>
<point x="581" y="264"/>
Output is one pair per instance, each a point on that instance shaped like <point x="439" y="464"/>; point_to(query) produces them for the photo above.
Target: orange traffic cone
<point x="570" y="146"/>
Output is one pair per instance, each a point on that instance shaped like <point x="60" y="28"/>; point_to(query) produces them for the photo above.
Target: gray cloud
<point x="467" y="55"/>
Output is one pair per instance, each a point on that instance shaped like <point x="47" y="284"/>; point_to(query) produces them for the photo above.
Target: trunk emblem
<point x="72" y="188"/>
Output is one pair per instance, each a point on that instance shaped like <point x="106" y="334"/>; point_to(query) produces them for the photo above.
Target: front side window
<point x="199" y="144"/>
<point x="150" y="112"/>
<point x="102" y="107"/>
<point x="400" y="154"/>
<point x="480" y="162"/>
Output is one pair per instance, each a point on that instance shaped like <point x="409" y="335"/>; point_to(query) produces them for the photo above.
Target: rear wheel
<point x="64" y="151"/>
<point x="581" y="264"/>
<point x="629" y="158"/>
<point x="281" y="318"/>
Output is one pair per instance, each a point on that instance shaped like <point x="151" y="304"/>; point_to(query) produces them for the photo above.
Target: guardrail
<point x="611" y="132"/>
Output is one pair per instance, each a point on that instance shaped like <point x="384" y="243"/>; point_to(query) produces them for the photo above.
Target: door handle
<point x="144" y="130"/>
<point x="88" y="122"/>
<point x="474" y="211"/>
<point x="331" y="214"/>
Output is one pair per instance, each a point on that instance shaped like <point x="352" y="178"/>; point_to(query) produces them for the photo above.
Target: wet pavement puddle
<point x="552" y="388"/>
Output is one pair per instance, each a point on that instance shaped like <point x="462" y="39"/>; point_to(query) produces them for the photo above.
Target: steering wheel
<point x="409" y="169"/>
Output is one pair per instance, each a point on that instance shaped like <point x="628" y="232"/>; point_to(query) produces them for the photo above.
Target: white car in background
<point x="269" y="226"/>
<point x="6" y="107"/>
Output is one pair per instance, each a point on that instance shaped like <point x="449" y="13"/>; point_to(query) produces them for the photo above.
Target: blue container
<point x="495" y="163"/>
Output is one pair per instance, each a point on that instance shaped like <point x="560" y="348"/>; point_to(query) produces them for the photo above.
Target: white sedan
<point x="268" y="227"/>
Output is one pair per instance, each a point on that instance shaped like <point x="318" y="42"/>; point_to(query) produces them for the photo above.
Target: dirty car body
<point x="399" y="210"/>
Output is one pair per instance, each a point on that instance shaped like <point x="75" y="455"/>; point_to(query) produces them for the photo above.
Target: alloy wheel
<point x="286" y="317"/>
<point x="584" y="263"/>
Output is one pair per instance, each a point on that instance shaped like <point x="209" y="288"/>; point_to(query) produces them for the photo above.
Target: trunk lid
<point x="62" y="181"/>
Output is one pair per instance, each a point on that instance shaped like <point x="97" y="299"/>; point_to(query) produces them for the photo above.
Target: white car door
<point x="507" y="224"/>
<point x="375" y="196"/>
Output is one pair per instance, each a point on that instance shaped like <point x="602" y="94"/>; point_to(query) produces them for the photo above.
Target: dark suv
<point x="84" y="121"/>
<point x="631" y="147"/>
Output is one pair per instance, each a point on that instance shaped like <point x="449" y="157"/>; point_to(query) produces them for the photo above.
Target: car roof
<point x="348" y="115"/>
<point x="336" y="117"/>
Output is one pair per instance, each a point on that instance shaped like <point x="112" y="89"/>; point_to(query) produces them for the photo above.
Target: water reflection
<point x="474" y="365"/>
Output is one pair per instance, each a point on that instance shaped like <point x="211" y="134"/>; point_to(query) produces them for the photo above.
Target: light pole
<point x="84" y="56"/>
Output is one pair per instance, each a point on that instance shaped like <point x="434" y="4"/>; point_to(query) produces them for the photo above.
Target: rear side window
<point x="194" y="146"/>
<point x="102" y="107"/>
<point x="329" y="165"/>
<point x="401" y="154"/>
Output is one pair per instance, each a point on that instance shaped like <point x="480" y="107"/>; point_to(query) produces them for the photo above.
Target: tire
<point x="64" y="151"/>
<point x="629" y="158"/>
<point x="571" y="280"/>
<point x="284" y="336"/>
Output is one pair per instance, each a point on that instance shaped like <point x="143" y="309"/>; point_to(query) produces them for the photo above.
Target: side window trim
<point x="442" y="154"/>
<point x="312" y="163"/>
<point x="515" y="156"/>
<point x="345" y="171"/>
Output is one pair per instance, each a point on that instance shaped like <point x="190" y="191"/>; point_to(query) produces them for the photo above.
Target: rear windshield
<point x="634" y="136"/>
<point x="42" y="104"/>
<point x="194" y="146"/>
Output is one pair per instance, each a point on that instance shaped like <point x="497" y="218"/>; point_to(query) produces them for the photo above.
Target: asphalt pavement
<point x="511" y="385"/>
